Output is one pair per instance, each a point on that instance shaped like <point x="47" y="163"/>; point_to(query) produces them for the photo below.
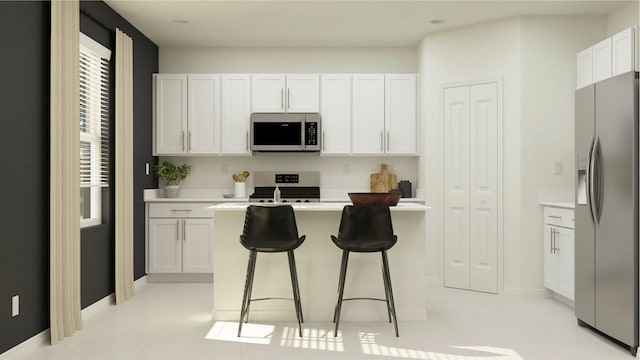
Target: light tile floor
<point x="173" y="321"/>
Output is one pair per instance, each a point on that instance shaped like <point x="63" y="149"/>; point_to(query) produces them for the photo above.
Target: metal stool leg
<point x="343" y="276"/>
<point x="248" y="284"/>
<point x="386" y="291"/>
<point x="296" y="290"/>
<point x="387" y="279"/>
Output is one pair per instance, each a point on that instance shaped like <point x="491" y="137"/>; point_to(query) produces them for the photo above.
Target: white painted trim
<point x="523" y="292"/>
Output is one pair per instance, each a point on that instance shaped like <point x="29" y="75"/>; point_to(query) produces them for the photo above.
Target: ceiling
<point x="325" y="23"/>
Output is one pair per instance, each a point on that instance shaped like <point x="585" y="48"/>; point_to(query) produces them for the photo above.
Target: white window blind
<point x="94" y="113"/>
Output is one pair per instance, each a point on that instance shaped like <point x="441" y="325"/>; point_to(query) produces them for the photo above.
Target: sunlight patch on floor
<point x="315" y="339"/>
<point x="251" y="333"/>
<point x="370" y="347"/>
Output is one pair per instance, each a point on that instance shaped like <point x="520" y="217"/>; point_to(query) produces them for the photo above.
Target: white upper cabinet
<point x="368" y="114"/>
<point x="611" y="57"/>
<point x="335" y="109"/>
<point x="171" y="114"/>
<point x="203" y="129"/>
<point x="623" y="52"/>
<point x="602" y="60"/>
<point x="236" y="112"/>
<point x="285" y="93"/>
<point x="584" y="74"/>
<point x="187" y="114"/>
<point x="400" y="114"/>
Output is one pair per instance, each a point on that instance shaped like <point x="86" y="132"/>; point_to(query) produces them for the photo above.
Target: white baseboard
<point x="180" y="278"/>
<point x="44" y="338"/>
<point x="523" y="292"/>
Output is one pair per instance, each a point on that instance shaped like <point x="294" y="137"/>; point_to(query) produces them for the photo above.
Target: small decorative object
<point x="276" y="195"/>
<point x="383" y="181"/>
<point x="405" y="187"/>
<point x="375" y="198"/>
<point x="240" y="190"/>
<point x="172" y="175"/>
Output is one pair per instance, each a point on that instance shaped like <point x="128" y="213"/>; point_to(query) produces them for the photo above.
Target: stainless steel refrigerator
<point x="606" y="213"/>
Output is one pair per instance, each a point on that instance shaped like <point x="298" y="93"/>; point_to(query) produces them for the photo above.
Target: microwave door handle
<point x="303" y="134"/>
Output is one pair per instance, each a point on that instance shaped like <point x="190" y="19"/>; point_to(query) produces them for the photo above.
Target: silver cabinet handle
<point x="381" y="140"/>
<point x="323" y="141"/>
<point x="184" y="231"/>
<point x="387" y="140"/>
<point x="247" y="141"/>
<point x="288" y="98"/>
<point x="282" y="98"/>
<point x="181" y="210"/>
<point x="177" y="230"/>
<point x="551" y="241"/>
<point x="555" y="217"/>
<point x="189" y="141"/>
<point x="183" y="141"/>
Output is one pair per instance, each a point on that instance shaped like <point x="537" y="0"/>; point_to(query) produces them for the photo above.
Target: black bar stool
<point x="365" y="229"/>
<point x="270" y="229"/>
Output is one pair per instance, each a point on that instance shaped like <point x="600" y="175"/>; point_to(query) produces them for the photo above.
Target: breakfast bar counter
<point x="318" y="266"/>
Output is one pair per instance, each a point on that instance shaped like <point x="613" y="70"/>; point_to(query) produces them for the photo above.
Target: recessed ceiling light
<point x="180" y="21"/>
<point x="436" y="21"/>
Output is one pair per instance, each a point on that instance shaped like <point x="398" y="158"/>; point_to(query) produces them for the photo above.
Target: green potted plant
<point x="172" y="175"/>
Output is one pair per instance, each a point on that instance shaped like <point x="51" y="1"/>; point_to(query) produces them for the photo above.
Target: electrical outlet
<point x="15" y="306"/>
<point x="557" y="168"/>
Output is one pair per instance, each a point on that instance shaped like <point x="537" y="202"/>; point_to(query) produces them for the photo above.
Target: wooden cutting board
<point x="383" y="181"/>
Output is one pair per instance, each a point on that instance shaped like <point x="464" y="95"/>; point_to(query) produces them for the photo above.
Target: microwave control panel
<point x="311" y="129"/>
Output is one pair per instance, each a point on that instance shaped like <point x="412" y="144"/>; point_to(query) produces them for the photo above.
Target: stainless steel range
<point x="300" y="187"/>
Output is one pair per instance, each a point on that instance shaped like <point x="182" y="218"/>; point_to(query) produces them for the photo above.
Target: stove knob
<point x="261" y="201"/>
<point x="284" y="201"/>
<point x="306" y="200"/>
<point x="270" y="201"/>
<point x="298" y="201"/>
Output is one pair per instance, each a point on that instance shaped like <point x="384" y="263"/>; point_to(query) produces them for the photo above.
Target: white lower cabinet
<point x="559" y="251"/>
<point x="179" y="243"/>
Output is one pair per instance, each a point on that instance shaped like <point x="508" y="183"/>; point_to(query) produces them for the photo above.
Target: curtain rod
<point x="86" y="13"/>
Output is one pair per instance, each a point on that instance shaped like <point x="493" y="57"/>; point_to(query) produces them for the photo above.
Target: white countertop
<point x="321" y="206"/>
<point x="559" y="204"/>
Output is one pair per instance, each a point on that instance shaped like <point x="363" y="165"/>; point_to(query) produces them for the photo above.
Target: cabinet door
<point x="623" y="52"/>
<point x="400" y="114"/>
<point x="165" y="247"/>
<point x="171" y="114"/>
<point x="584" y="75"/>
<point x="197" y="245"/>
<point x="203" y="135"/>
<point x="236" y="112"/>
<point x="602" y="60"/>
<point x="368" y="114"/>
<point x="550" y="258"/>
<point x="335" y="109"/>
<point x="303" y="93"/>
<point x="268" y="93"/>
<point x="566" y="262"/>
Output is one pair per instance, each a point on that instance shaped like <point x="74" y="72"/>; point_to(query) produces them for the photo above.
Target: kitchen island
<point x="318" y="266"/>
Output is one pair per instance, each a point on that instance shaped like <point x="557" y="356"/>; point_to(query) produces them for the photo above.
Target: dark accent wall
<point x="24" y="191"/>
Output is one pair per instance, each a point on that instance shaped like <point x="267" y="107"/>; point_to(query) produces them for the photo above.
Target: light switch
<point x="15" y="306"/>
<point x="146" y="168"/>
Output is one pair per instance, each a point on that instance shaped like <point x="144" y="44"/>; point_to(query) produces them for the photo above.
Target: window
<point x="94" y="128"/>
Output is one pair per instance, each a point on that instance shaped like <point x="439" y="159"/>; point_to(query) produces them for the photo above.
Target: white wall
<point x="338" y="173"/>
<point x="535" y="58"/>
<point x="622" y="18"/>
<point x="549" y="47"/>
<point x="287" y="60"/>
<point x="490" y="50"/>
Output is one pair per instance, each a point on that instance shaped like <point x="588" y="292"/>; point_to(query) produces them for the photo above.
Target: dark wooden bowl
<point x="364" y="199"/>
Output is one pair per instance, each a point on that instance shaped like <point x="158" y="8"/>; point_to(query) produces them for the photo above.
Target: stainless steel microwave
<point x="285" y="132"/>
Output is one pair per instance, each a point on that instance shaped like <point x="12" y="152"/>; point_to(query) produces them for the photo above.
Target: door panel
<point x="196" y="249"/>
<point x="616" y="232"/>
<point x="204" y="114"/>
<point x="165" y="250"/>
<point x="368" y="114"/>
<point x="456" y="182"/>
<point x="335" y="107"/>
<point x="483" y="204"/>
<point x="171" y="114"/>
<point x="585" y="257"/>
<point x="236" y="112"/>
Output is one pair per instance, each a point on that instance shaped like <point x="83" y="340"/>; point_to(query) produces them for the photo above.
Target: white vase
<point x="240" y="190"/>
<point x="171" y="191"/>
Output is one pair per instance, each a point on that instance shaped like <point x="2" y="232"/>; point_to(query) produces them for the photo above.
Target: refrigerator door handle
<point x="594" y="186"/>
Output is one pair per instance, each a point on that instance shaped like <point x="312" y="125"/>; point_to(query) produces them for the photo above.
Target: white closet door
<point x="456" y="187"/>
<point x="471" y="187"/>
<point x="483" y="153"/>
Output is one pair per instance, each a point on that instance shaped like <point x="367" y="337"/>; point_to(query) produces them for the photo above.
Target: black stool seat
<point x="365" y="229"/>
<point x="270" y="229"/>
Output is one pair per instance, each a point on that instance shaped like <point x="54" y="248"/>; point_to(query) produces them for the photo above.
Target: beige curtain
<point x="65" y="171"/>
<point x="124" y="167"/>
